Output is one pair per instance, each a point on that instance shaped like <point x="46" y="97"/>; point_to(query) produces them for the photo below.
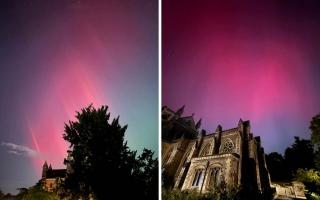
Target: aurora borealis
<point x="259" y="61"/>
<point x="58" y="57"/>
<point x="223" y="60"/>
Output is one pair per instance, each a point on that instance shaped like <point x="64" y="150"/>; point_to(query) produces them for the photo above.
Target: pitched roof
<point x="56" y="173"/>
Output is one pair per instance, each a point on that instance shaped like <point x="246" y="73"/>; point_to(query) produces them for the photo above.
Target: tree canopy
<point x="276" y="166"/>
<point x="315" y="129"/>
<point x="101" y="164"/>
<point x="315" y="138"/>
<point x="299" y="156"/>
<point x="37" y="193"/>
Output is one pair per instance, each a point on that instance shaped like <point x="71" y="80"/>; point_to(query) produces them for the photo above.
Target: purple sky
<point x="227" y="60"/>
<point x="58" y="56"/>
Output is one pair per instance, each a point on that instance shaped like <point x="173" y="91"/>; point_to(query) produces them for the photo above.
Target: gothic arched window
<point x="228" y="146"/>
<point x="198" y="178"/>
<point x="215" y="177"/>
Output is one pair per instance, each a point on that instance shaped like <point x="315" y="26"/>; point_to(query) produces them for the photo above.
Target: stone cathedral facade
<point x="52" y="178"/>
<point x="194" y="159"/>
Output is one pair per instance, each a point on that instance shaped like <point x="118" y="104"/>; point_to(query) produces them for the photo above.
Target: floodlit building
<point x="52" y="178"/>
<point x="194" y="159"/>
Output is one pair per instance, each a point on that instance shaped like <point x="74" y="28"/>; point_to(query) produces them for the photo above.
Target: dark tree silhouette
<point x="299" y="155"/>
<point x="276" y="166"/>
<point x="146" y="175"/>
<point x="315" y="130"/>
<point x="315" y="138"/>
<point x="101" y="162"/>
<point x="36" y="193"/>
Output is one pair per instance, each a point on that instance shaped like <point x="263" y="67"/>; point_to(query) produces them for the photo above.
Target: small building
<point x="52" y="178"/>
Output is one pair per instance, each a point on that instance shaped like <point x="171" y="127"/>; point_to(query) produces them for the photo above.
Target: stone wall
<point x="290" y="190"/>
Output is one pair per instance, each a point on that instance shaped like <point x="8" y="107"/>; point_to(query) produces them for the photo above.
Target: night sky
<point x="58" y="56"/>
<point x="227" y="60"/>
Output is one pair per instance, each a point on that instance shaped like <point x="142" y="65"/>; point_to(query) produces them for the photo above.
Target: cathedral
<point x="194" y="159"/>
<point x="52" y="178"/>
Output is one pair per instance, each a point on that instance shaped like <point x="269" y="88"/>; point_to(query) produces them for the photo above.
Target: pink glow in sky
<point x="73" y="89"/>
<point x="60" y="56"/>
<point x="231" y="60"/>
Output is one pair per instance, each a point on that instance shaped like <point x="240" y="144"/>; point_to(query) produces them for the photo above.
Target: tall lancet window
<point x="198" y="178"/>
<point x="215" y="177"/>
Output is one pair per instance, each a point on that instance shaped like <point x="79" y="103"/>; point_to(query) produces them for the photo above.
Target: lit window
<point x="198" y="178"/>
<point x="215" y="177"/>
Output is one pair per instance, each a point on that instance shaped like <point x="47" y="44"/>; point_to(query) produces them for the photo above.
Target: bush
<point x="235" y="194"/>
<point x="311" y="179"/>
<point x="35" y="193"/>
<point x="168" y="194"/>
<point x="194" y="195"/>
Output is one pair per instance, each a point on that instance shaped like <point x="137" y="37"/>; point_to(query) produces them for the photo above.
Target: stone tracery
<point x="228" y="146"/>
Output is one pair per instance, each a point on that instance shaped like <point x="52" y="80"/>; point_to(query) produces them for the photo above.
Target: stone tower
<point x="45" y="169"/>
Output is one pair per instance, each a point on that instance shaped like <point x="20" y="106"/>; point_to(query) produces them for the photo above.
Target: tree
<point x="299" y="155"/>
<point x="36" y="193"/>
<point x="315" y="138"/>
<point x="6" y="196"/>
<point x="276" y="167"/>
<point x="147" y="174"/>
<point x="101" y="163"/>
<point x="315" y="130"/>
<point x="311" y="179"/>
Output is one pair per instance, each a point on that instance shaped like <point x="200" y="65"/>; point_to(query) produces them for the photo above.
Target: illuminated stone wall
<point x="197" y="160"/>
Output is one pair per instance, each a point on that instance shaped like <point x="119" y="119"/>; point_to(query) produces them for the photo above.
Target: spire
<point x="219" y="129"/>
<point x="201" y="135"/>
<point x="44" y="169"/>
<point x="198" y="124"/>
<point x="45" y="164"/>
<point x="180" y="111"/>
<point x="50" y="167"/>
<point x="240" y="125"/>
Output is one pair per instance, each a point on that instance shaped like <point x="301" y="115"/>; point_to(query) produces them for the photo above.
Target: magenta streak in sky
<point x="71" y="84"/>
<point x="73" y="90"/>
